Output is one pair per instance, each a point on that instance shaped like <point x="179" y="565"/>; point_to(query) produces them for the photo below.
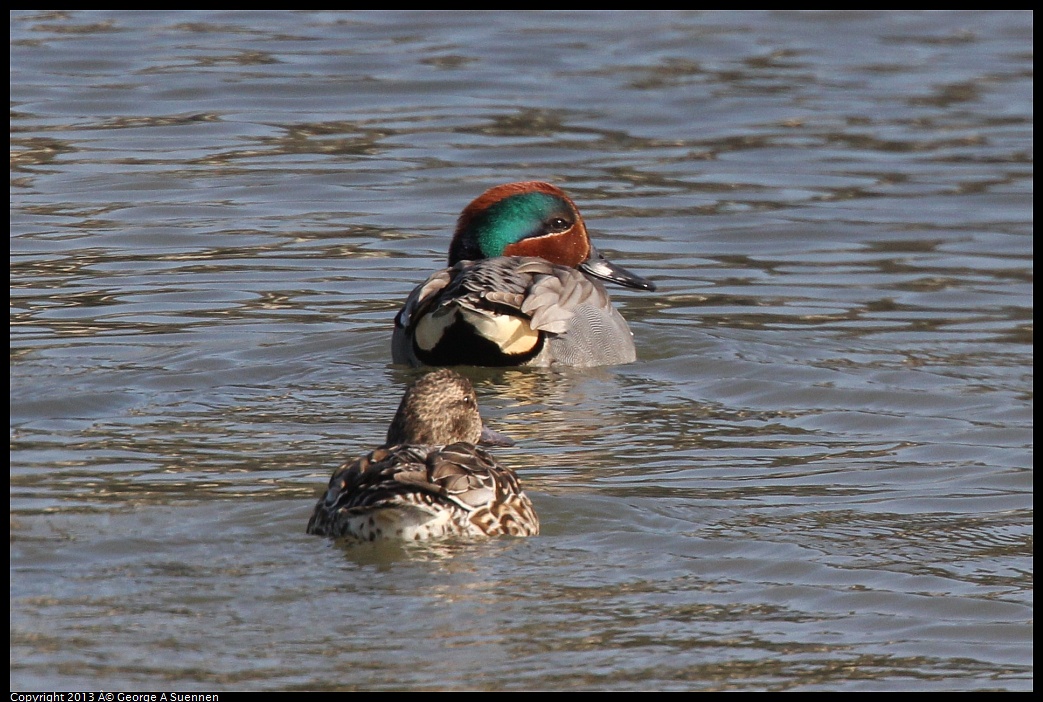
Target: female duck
<point x="429" y="480"/>
<point x="521" y="290"/>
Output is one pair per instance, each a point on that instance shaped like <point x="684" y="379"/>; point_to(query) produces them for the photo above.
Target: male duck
<point x="429" y="479"/>
<point x="520" y="290"/>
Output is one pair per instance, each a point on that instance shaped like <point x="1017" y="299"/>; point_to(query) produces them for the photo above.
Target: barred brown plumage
<point x="430" y="479"/>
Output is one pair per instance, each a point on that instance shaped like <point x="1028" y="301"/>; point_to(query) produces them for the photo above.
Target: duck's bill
<point x="494" y="438"/>
<point x="600" y="267"/>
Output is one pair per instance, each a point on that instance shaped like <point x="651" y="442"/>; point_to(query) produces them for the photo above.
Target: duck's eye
<point x="558" y="224"/>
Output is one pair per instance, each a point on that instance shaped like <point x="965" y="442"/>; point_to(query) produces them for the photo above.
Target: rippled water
<point x="817" y="476"/>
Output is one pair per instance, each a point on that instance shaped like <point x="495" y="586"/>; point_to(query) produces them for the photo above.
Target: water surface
<point x="817" y="476"/>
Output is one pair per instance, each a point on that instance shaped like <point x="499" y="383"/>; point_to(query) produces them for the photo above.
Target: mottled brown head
<point x="438" y="409"/>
